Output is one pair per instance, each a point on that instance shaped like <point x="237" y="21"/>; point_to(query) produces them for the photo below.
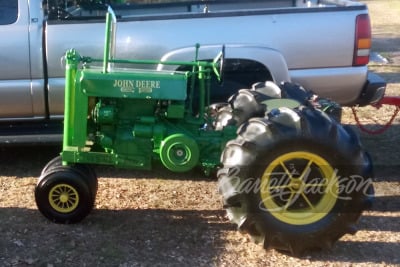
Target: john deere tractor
<point x="289" y="173"/>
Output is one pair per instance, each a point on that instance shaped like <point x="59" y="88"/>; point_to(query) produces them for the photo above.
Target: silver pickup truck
<point x="322" y="45"/>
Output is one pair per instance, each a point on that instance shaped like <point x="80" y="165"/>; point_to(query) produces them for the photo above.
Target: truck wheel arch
<point x="268" y="63"/>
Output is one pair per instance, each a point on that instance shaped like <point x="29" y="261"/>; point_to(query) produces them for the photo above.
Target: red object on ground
<point x="387" y="100"/>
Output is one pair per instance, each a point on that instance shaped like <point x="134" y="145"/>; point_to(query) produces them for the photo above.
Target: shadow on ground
<point x="111" y="238"/>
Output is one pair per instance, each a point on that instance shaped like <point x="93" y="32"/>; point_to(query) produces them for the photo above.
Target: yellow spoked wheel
<point x="64" y="198"/>
<point x="299" y="188"/>
<point x="295" y="180"/>
<point x="63" y="194"/>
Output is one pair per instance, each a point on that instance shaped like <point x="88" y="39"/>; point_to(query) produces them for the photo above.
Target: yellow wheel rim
<point x="299" y="188"/>
<point x="63" y="198"/>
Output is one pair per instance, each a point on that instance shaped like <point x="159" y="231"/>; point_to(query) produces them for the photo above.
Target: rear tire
<point x="295" y="180"/>
<point x="243" y="105"/>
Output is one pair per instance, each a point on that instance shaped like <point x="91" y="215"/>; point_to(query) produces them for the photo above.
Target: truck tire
<point x="63" y="196"/>
<point x="295" y="180"/>
<point x="87" y="173"/>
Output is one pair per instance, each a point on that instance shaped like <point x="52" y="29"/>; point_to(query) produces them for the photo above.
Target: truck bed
<point x="291" y="44"/>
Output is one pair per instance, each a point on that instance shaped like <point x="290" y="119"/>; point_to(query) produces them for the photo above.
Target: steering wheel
<point x="58" y="13"/>
<point x="218" y="66"/>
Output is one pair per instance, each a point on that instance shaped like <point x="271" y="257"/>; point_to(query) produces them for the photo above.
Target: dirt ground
<point x="162" y="219"/>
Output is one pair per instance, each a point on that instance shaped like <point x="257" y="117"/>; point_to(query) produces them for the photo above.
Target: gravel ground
<point x="159" y="218"/>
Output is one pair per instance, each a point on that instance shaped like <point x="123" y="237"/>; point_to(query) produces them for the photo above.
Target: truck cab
<point x="22" y="76"/>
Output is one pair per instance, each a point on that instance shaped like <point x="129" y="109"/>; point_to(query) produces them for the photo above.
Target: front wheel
<point x="62" y="195"/>
<point x="86" y="171"/>
<point x="297" y="182"/>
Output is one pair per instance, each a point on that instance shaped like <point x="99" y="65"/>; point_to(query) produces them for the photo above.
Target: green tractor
<point x="289" y="173"/>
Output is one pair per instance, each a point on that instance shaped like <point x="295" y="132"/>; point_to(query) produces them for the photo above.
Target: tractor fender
<point x="270" y="58"/>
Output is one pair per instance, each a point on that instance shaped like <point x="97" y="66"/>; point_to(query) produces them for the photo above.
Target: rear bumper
<point x="373" y="91"/>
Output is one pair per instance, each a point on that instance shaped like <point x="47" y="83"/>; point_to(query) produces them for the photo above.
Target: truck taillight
<point x="362" y="44"/>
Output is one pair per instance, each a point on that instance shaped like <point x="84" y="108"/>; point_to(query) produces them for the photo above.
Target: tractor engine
<point x="126" y="127"/>
<point x="129" y="112"/>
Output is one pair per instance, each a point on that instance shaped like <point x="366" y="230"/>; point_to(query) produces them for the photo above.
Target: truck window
<point x="96" y="9"/>
<point x="8" y="11"/>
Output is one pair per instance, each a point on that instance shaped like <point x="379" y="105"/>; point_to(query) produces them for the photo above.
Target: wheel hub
<point x="64" y="198"/>
<point x="296" y="184"/>
<point x="307" y="196"/>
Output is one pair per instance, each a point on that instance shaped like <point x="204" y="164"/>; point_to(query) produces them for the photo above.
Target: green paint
<point x="131" y="118"/>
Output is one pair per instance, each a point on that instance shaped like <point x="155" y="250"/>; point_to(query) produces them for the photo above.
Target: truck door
<point x="17" y="93"/>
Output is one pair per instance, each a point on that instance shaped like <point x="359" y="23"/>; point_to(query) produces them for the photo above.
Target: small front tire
<point x="87" y="172"/>
<point x="62" y="195"/>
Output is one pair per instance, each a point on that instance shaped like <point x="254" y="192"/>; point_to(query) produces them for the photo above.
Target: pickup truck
<point x="324" y="45"/>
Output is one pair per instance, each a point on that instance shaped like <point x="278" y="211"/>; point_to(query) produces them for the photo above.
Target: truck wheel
<point x="295" y="180"/>
<point x="62" y="195"/>
<point x="87" y="172"/>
